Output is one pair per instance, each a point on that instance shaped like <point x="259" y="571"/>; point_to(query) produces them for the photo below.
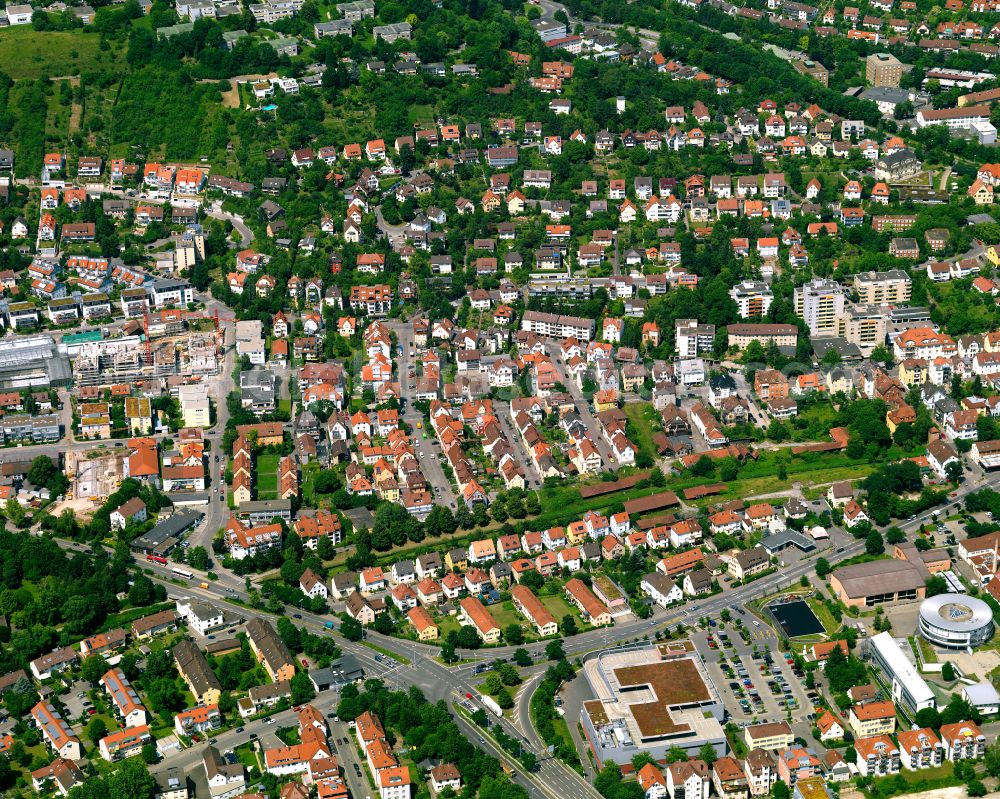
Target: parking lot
<point x="755" y="686"/>
<point x="77" y="700"/>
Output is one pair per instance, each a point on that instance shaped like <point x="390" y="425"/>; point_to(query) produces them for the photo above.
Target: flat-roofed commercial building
<point x="955" y="621"/>
<point x="883" y="69"/>
<point x="819" y="303"/>
<point x="986" y="454"/>
<point x="865" y="326"/>
<point x="904" y="683"/>
<point x="556" y="326"/>
<point x="649" y="700"/>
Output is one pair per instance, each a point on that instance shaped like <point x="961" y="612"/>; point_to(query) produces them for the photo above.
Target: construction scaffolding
<point x="173" y="343"/>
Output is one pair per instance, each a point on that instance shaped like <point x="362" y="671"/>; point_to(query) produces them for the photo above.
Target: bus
<point x="182" y="573"/>
<point x="156" y="559"/>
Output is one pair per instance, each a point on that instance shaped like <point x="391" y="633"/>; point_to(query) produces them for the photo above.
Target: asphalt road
<point x="428" y="452"/>
<point x="583" y="408"/>
<point x="553" y="779"/>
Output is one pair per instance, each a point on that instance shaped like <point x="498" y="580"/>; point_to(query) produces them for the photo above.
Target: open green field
<point x="761" y="477"/>
<point x="558" y="607"/>
<point x="27" y="53"/>
<point x="642" y="416"/>
<point x="267" y="477"/>
<point x="505" y="614"/>
<point x="447" y="624"/>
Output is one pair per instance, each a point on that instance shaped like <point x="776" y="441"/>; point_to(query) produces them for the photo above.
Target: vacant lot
<point x="27" y="53"/>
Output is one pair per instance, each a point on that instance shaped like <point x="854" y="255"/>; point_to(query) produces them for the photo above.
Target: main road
<point x="552" y="778"/>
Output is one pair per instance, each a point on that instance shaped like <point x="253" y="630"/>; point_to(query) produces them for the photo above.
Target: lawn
<point x="27" y="53"/>
<point x="289" y="735"/>
<point x="505" y="614"/>
<point x="267" y="477"/>
<point x="247" y="755"/>
<point x="761" y="478"/>
<point x="558" y="607"/>
<point x="822" y="612"/>
<point x="447" y="624"/>
<point x="421" y="113"/>
<point x="641" y="416"/>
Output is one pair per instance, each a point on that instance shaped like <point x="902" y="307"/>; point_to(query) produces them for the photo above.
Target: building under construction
<point x="172" y="343"/>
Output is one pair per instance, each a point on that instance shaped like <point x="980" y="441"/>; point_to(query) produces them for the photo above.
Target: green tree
<point x="928" y="717"/>
<point x="882" y="354"/>
<point x="351" y="628"/>
<point x="197" y="558"/>
<point x="947" y="671"/>
<point x="822" y="567"/>
<point x="642" y="759"/>
<point x="728" y="470"/>
<point x="708" y="754"/>
<point x="568" y="625"/>
<point x="703" y="467"/>
<point x="554" y="650"/>
<point x="96" y="729"/>
<point x="992" y="759"/>
<point x="780" y="790"/>
<point x="302" y="688"/>
<point x="959" y="709"/>
<point x="874" y="545"/>
<point x="513" y="634"/>
<point x="15" y="513"/>
<point x="504" y="699"/>
<point x="131" y="781"/>
<point x="93" y="668"/>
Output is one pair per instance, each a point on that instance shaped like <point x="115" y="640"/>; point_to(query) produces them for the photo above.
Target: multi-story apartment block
<point x="883" y="288"/>
<point x="819" y="303"/>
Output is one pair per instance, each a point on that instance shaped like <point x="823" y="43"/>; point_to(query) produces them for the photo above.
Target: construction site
<point x="96" y="473"/>
<point x="170" y="343"/>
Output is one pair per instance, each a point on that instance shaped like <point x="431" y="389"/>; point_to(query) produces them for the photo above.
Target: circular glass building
<point x="956" y="621"/>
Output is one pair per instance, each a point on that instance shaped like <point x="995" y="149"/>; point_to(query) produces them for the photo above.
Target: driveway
<point x="246" y="235"/>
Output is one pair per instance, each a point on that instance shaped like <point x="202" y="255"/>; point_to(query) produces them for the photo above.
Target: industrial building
<point x="877" y="583"/>
<point x="32" y="362"/>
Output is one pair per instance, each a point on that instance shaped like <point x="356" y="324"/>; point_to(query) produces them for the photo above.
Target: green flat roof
<point x="82" y="338"/>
